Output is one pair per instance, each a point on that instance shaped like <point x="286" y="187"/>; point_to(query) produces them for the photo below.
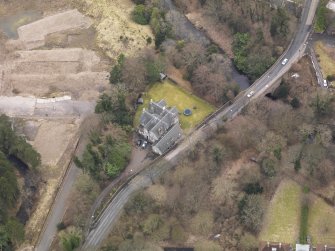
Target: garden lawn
<point x="176" y="96"/>
<point x="283" y="215"/>
<point x="326" y="58"/>
<point x="321" y="222"/>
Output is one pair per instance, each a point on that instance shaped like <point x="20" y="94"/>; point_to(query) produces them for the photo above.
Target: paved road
<point x="18" y="106"/>
<point x="294" y="52"/>
<point x="61" y="201"/>
<point x="57" y="213"/>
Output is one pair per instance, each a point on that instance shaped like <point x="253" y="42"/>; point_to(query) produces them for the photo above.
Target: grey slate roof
<point x="158" y="114"/>
<point x="168" y="139"/>
<point x="145" y="117"/>
<point x="158" y="107"/>
<point x="160" y="126"/>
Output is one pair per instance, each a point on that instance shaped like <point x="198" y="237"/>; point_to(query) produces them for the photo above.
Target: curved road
<point x="295" y="51"/>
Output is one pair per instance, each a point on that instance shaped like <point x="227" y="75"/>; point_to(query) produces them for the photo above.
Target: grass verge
<point x="321" y="224"/>
<point x="283" y="215"/>
<point x="320" y="18"/>
<point x="176" y="96"/>
<point x="327" y="61"/>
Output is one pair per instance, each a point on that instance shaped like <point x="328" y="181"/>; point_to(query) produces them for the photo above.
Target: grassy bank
<point x="321" y="223"/>
<point x="283" y="215"/>
<point x="326" y="57"/>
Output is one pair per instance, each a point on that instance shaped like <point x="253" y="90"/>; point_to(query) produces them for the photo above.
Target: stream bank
<point x="188" y="32"/>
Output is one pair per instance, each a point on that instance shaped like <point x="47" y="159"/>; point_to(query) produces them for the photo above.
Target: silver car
<point x="250" y="94"/>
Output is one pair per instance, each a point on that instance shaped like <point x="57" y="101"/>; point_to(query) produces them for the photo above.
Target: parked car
<point x="284" y="61"/>
<point x="144" y="144"/>
<point x="250" y="94"/>
<point x="325" y="84"/>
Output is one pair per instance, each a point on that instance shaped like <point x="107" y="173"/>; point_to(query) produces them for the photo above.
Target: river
<point x="186" y="31"/>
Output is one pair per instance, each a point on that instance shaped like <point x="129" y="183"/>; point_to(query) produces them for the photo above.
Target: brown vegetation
<point x="217" y="189"/>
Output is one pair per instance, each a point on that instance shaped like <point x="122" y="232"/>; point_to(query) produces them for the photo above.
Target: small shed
<point x="140" y="101"/>
<point x="163" y="76"/>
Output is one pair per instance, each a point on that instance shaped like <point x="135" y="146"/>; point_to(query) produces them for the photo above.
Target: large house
<point x="159" y="125"/>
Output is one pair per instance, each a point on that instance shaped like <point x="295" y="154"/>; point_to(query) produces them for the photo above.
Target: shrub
<point x="15" y="231"/>
<point x="217" y="155"/>
<point x="253" y="63"/>
<point x="106" y="158"/>
<point x="322" y="105"/>
<point x="279" y="23"/>
<point x="281" y="92"/>
<point x="295" y="103"/>
<point x="141" y="14"/>
<point x="151" y="224"/>
<point x="70" y="239"/>
<point x="153" y="71"/>
<point x="149" y="40"/>
<point x="253" y="188"/>
<point x="297" y="165"/>
<point x="114" y="110"/>
<point x="139" y="204"/>
<point x="212" y="49"/>
<point x="330" y="78"/>
<point x="277" y="153"/>
<point x="268" y="167"/>
<point x="116" y="73"/>
<point x="252" y="209"/>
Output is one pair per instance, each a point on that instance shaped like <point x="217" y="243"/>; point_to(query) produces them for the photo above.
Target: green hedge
<point x="303" y="224"/>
